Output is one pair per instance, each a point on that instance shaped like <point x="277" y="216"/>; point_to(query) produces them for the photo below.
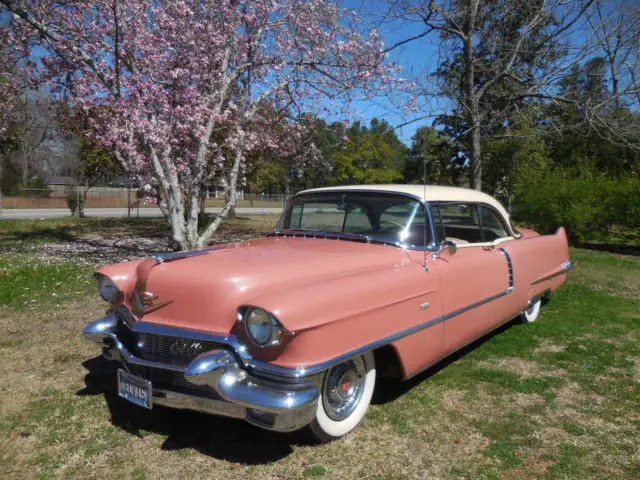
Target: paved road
<point x="36" y="213"/>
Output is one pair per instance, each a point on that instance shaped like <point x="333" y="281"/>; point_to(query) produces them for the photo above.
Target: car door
<point x="475" y="275"/>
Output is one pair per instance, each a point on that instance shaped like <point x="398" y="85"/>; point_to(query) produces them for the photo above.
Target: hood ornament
<point x="145" y="302"/>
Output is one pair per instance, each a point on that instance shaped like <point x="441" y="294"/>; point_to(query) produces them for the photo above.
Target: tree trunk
<point x="82" y="201"/>
<point x="475" y="172"/>
<point x="230" y="194"/>
<point x="469" y="97"/>
<point x="79" y="202"/>
<point x="228" y="200"/>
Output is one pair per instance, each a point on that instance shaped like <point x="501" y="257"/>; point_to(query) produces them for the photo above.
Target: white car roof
<point x="429" y="193"/>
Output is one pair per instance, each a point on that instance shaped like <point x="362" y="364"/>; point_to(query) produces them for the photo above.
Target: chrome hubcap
<point x="343" y="388"/>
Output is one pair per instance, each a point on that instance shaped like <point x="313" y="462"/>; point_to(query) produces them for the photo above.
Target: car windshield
<point x="376" y="216"/>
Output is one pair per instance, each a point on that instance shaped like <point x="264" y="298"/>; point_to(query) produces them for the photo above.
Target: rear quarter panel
<point x="535" y="257"/>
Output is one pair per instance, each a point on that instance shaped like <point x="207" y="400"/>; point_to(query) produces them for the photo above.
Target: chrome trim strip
<point x="384" y="241"/>
<point x="182" y="401"/>
<point x="286" y="374"/>
<point x="358" y="190"/>
<point x="178" y="255"/>
<point x="565" y="267"/>
<point x="509" y="267"/>
<point x="321" y="367"/>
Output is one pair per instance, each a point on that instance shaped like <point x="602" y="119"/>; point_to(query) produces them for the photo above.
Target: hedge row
<point x="592" y="207"/>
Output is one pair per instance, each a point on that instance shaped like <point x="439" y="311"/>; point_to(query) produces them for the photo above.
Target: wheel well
<point x="387" y="362"/>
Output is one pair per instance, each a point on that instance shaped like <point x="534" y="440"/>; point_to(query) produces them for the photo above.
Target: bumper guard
<point x="268" y="404"/>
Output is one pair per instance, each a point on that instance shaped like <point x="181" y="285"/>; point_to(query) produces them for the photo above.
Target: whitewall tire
<point x="345" y="396"/>
<point x="531" y="313"/>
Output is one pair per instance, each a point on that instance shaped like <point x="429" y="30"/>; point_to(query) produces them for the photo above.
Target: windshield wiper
<point x="326" y="234"/>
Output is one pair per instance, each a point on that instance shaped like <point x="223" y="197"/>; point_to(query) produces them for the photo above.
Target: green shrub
<point x="588" y="204"/>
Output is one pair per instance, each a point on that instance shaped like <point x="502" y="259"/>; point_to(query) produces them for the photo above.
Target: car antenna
<point x="424" y="213"/>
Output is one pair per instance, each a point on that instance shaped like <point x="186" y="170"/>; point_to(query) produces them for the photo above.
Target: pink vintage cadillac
<point x="355" y="283"/>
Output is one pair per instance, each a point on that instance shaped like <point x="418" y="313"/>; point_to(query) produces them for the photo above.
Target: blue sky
<point x="415" y="58"/>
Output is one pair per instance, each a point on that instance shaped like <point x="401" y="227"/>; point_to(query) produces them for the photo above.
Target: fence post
<point x="0" y="203"/>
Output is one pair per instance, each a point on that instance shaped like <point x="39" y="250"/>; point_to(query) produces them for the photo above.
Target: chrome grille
<point x="169" y="349"/>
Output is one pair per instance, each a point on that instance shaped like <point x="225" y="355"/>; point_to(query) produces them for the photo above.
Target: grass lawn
<point x="556" y="399"/>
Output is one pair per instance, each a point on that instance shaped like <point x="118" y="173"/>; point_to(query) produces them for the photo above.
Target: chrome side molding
<point x="166" y="257"/>
<point x="564" y="268"/>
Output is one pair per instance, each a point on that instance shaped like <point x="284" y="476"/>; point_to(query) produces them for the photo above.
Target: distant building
<point x="60" y="182"/>
<point x="58" y="185"/>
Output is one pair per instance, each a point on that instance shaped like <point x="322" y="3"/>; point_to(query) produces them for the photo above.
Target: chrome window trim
<point x="433" y="246"/>
<point x="506" y="225"/>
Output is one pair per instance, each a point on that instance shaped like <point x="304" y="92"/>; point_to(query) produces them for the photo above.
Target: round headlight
<point x="108" y="290"/>
<point x="261" y="326"/>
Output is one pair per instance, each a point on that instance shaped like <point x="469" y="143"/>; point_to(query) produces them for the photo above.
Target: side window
<point x="406" y="221"/>
<point x="492" y="226"/>
<point x="458" y="223"/>
<point x="296" y="216"/>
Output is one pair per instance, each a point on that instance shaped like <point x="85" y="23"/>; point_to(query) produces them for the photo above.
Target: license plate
<point x="135" y="389"/>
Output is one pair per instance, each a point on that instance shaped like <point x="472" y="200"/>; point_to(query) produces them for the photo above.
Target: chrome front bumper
<point x="267" y="403"/>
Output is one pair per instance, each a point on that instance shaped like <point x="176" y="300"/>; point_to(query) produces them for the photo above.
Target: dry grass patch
<point x="547" y="346"/>
<point x="636" y="369"/>
<point x="523" y="368"/>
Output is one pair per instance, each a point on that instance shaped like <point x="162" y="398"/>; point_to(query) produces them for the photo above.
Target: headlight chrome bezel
<point x="274" y="334"/>
<point x="108" y="289"/>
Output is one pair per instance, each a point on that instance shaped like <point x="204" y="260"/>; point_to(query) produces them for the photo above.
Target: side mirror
<point x="449" y="246"/>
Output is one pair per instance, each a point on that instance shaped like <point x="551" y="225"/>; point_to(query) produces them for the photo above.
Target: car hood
<point x="203" y="292"/>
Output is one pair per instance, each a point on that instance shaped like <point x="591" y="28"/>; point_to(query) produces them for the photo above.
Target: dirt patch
<point x="454" y="399"/>
<point x="525" y="400"/>
<point x="546" y="346"/>
<point x="571" y="395"/>
<point x="523" y="368"/>
<point x="104" y="250"/>
<point x="636" y="369"/>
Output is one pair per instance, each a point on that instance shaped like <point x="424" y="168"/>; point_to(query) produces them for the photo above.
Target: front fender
<point x="332" y="317"/>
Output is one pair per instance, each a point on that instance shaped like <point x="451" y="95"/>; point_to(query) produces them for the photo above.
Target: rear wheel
<point x="531" y="313"/>
<point x="345" y="396"/>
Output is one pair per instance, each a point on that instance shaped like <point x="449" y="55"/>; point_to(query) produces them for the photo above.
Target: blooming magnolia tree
<point x="183" y="85"/>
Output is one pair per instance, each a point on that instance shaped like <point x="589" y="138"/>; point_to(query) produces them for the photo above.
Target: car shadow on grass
<point x="222" y="438"/>
<point x="389" y="389"/>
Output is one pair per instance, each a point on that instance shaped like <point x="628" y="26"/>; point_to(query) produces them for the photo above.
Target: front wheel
<point x="345" y="396"/>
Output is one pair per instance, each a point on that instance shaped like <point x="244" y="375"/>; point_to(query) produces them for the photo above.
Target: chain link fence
<point x="128" y="199"/>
